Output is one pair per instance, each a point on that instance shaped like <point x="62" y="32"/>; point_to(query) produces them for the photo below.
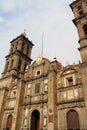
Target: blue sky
<point x="53" y="17"/>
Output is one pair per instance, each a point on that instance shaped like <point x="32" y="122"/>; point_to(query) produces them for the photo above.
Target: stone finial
<point x="67" y="63"/>
<point x="24" y="33"/>
<point x="39" y="59"/>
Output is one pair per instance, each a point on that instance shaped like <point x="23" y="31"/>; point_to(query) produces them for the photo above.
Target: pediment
<point x="68" y="71"/>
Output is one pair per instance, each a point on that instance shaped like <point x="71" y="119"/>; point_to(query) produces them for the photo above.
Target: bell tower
<point x="79" y="8"/>
<point x="12" y="83"/>
<point x="19" y="57"/>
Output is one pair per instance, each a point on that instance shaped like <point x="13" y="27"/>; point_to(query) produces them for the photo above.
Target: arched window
<point x="25" y="67"/>
<point x="15" y="46"/>
<point x="22" y="46"/>
<point x="27" y="50"/>
<point x="9" y="122"/>
<point x="12" y="62"/>
<point x="85" y="29"/>
<point x="73" y="120"/>
<point x="19" y="65"/>
<point x="7" y="64"/>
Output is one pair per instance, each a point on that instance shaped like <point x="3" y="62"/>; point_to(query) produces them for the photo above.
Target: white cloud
<point x="7" y="5"/>
<point x="2" y="20"/>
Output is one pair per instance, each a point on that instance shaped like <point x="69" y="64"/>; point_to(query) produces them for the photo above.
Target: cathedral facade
<point x="45" y="95"/>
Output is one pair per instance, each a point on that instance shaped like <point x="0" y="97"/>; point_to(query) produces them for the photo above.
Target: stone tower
<point x="79" y="8"/>
<point x="18" y="58"/>
<point x="11" y="83"/>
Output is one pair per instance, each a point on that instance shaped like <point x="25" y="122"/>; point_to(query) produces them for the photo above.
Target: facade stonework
<point x="45" y="95"/>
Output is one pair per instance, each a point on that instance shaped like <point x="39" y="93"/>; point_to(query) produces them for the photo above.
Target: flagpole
<point x="42" y="45"/>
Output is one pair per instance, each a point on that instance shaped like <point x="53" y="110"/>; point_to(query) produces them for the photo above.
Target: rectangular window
<point x="69" y="81"/>
<point x="80" y="10"/>
<point x="37" y="88"/>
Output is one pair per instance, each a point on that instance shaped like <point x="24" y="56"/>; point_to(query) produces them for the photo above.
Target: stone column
<point x="17" y="119"/>
<point x="52" y="96"/>
<point x="84" y="83"/>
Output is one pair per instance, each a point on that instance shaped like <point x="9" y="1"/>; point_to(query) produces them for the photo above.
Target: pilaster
<point x="52" y="96"/>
